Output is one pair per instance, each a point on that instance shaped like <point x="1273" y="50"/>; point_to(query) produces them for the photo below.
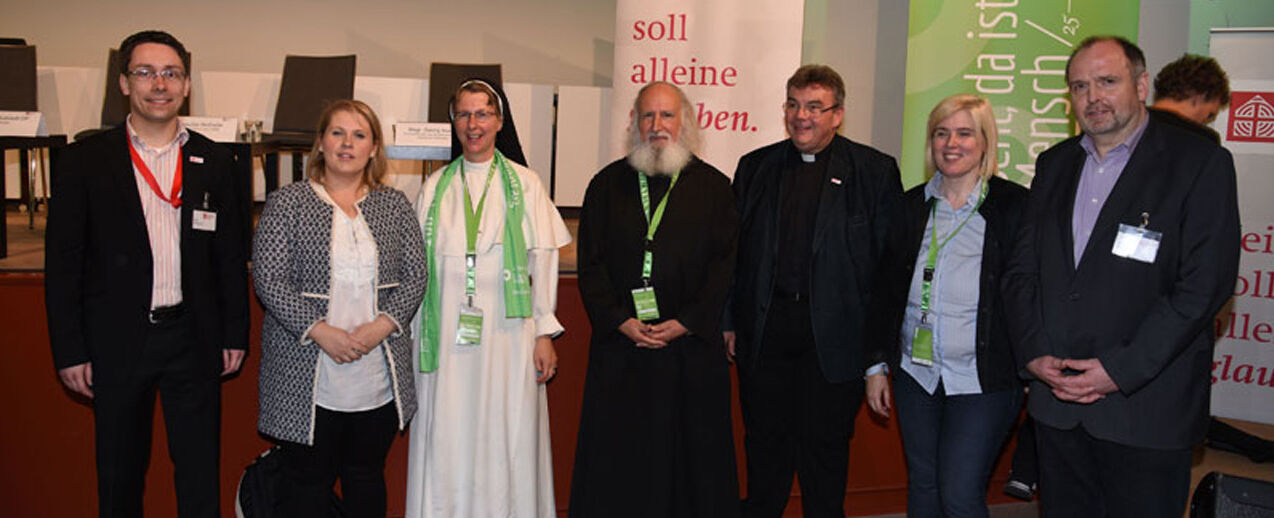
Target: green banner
<point x="1011" y="52"/>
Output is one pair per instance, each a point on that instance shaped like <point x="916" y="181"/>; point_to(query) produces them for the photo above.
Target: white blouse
<point x="363" y="384"/>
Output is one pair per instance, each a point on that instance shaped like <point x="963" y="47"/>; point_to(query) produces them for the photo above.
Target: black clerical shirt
<point x="658" y="185"/>
<point x="801" y="186"/>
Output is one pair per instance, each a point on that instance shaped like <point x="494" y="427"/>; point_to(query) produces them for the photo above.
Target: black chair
<point x="308" y="84"/>
<point x="114" y="105"/>
<point x="18" y="75"/>
<point x="445" y="78"/>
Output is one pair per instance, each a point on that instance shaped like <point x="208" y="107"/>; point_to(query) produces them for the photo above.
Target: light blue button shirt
<point x="953" y="300"/>
<point x="1096" y="181"/>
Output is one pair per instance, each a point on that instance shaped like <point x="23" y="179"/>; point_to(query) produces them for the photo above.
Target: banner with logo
<point x="1012" y="52"/>
<point x="1243" y="367"/>
<point x="731" y="57"/>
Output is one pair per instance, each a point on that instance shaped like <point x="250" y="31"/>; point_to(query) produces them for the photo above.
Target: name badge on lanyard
<point x="644" y="302"/>
<point x="1137" y="243"/>
<point x="469" y="327"/>
<point x="204" y="218"/>
<point x="922" y="340"/>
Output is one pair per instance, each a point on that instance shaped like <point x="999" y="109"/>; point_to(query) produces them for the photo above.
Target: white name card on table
<point x="431" y="134"/>
<point x="219" y="129"/>
<point x="29" y="124"/>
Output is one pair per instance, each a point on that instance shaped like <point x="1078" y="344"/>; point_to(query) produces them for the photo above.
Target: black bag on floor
<point x="257" y="495"/>
<point x="1228" y="496"/>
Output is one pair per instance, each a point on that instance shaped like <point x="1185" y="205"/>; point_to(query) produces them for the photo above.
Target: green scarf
<point x="517" y="285"/>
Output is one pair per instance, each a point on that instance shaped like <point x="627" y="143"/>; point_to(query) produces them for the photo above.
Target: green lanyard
<point x="926" y="287"/>
<point x="652" y="221"/>
<point x="472" y="219"/>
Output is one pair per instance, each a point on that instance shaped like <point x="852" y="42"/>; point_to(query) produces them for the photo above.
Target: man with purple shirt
<point x="1128" y="250"/>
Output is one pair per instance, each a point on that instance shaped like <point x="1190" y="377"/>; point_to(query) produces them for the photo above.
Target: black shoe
<point x="1020" y="490"/>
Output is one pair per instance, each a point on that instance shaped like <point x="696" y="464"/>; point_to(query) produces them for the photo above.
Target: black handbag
<point x="257" y="495"/>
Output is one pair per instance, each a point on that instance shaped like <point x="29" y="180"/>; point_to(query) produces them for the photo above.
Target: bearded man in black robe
<point x="655" y="436"/>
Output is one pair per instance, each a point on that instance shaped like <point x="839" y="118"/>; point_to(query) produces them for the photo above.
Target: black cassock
<point x="655" y="436"/>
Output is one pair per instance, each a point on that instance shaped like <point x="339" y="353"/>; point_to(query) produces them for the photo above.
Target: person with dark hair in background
<point x="339" y="267"/>
<point x="480" y="446"/>
<point x="656" y="252"/>
<point x="1189" y="92"/>
<point x="938" y="320"/>
<point x="1128" y="249"/>
<point x="814" y="210"/>
<point x="146" y="283"/>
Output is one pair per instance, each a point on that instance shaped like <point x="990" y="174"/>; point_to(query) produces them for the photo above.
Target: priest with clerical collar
<point x="814" y="210"/>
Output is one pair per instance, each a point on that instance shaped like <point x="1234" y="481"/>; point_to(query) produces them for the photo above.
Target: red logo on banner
<point x="1251" y="117"/>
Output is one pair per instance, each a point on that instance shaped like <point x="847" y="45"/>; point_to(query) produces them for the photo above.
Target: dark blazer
<point x="291" y="271"/>
<point x="98" y="260"/>
<point x="1002" y="211"/>
<point x="1150" y="325"/>
<point x="860" y="196"/>
<point x="1172" y="118"/>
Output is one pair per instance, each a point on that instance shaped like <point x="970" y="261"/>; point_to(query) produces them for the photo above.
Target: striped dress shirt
<point x="163" y="221"/>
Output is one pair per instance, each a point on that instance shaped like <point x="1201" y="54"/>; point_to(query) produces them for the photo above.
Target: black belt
<point x="166" y="314"/>
<point x="788" y="296"/>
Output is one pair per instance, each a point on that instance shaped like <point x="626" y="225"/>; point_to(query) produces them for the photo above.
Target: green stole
<point x="517" y="284"/>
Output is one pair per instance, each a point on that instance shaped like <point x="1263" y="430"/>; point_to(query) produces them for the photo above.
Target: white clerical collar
<point x="807" y="158"/>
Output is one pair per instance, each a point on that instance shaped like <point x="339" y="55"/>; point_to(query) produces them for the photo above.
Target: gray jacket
<point x="290" y="270"/>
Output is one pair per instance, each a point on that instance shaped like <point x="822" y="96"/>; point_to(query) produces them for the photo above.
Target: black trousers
<point x="1083" y="476"/>
<point x="187" y="379"/>
<point x="348" y="445"/>
<point x="1025" y="467"/>
<point x="795" y="421"/>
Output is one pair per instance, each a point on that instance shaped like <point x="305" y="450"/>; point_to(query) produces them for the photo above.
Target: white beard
<point x="664" y="161"/>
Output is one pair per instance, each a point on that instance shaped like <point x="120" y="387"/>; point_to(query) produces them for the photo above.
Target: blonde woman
<point x="339" y="267"/>
<point x="938" y="320"/>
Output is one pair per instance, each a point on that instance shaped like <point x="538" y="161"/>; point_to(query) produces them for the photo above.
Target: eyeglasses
<point x="481" y="116"/>
<point x="815" y="110"/>
<point x="151" y="75"/>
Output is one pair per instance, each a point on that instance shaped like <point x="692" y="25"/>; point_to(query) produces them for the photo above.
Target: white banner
<point x="1243" y="367"/>
<point x="731" y="57"/>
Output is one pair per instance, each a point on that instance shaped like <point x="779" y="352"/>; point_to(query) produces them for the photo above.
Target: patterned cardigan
<point x="291" y="273"/>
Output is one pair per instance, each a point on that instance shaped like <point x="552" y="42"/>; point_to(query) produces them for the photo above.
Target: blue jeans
<point x="951" y="443"/>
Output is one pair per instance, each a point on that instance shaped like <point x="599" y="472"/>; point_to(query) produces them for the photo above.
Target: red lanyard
<point x="174" y="198"/>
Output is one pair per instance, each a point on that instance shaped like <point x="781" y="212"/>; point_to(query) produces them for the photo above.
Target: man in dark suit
<point x="813" y="211"/>
<point x="1128" y="250"/>
<point x="145" y="283"/>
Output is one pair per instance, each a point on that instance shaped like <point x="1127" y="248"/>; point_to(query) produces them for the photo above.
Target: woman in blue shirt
<point x="938" y="320"/>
